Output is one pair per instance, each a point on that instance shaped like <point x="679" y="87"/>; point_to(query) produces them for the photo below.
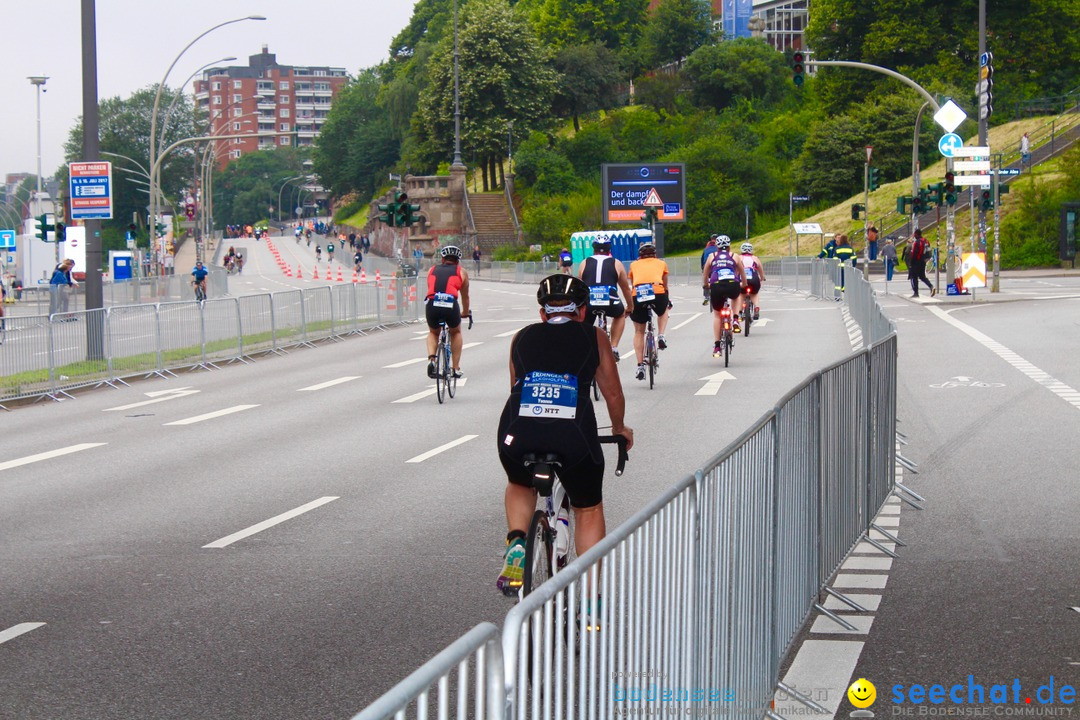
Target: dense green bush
<point x="1029" y="234"/>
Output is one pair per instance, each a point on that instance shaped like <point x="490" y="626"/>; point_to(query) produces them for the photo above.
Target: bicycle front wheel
<point x="538" y="552"/>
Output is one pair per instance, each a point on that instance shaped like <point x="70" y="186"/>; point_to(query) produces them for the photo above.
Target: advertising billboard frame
<point x="670" y="186"/>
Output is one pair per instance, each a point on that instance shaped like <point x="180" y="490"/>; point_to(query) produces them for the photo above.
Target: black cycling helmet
<point x="562" y="287"/>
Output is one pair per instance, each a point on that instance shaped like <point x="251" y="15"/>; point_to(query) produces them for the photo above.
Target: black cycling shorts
<point x="721" y="291"/>
<point x="451" y="315"/>
<point x="659" y="307"/>
<point x="615" y="310"/>
<point x="754" y="284"/>
<point x="567" y="263"/>
<point x="580" y="474"/>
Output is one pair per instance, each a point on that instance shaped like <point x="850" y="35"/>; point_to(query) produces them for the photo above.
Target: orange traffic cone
<point x="299" y="272"/>
<point x="339" y="276"/>
<point x="412" y="293"/>
<point x="378" y="279"/>
<point x="355" y="277"/>
<point x="315" y="276"/>
<point x="363" y="276"/>
<point x="391" y="295"/>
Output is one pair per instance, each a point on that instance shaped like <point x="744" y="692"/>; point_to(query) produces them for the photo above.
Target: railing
<point x="42" y="299"/>
<point x="48" y="355"/>
<point x="689" y="607"/>
<point x="508" y="191"/>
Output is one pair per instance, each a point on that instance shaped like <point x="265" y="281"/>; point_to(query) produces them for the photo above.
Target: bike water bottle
<point x="562" y="538"/>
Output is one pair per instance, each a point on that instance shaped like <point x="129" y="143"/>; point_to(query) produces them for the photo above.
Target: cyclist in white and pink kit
<point x="755" y="274"/>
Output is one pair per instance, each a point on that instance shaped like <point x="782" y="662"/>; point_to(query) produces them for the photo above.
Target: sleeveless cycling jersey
<point x="554" y="366"/>
<point x="750" y="264"/>
<point x="724" y="267"/>
<point x="600" y="273"/>
<point x="444" y="279"/>
<point x="648" y="271"/>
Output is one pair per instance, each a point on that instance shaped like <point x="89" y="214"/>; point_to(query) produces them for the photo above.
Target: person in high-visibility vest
<point x="845" y="254"/>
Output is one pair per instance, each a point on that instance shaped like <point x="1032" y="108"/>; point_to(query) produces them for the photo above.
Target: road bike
<point x="651" y="355"/>
<point x="727" y="335"/>
<point x="445" y="377"/>
<point x="200" y="292"/>
<point x="747" y="311"/>
<point x="549" y="544"/>
<point x="600" y="320"/>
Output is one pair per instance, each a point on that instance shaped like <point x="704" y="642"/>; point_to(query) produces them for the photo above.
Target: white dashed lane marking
<point x="277" y="519"/>
<point x="16" y="630"/>
<point x="442" y="448"/>
<point x="329" y="383"/>
<point x="212" y="415"/>
<point x="19" y="462"/>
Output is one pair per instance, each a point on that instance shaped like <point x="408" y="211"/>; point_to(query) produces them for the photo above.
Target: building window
<point x="284" y="127"/>
<point x="237" y="112"/>
<point x="237" y="84"/>
<point x="283" y="85"/>
<point x="283" y="99"/>
<point x="217" y="114"/>
<point x="283" y="141"/>
<point x="217" y="99"/>
<point x="234" y="154"/>
<point x="236" y="126"/>
<point x="237" y="141"/>
<point x="216" y="85"/>
<point x="237" y="98"/>
<point x="320" y="73"/>
<point x="284" y="112"/>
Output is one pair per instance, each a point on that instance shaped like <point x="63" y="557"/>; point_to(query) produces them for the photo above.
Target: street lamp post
<point x="281" y="189"/>
<point x="38" y="81"/>
<point x="154" y="154"/>
<point x="457" y="101"/>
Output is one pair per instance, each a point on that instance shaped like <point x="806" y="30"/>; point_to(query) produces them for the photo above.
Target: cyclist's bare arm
<point x="607" y="379"/>
<point x="464" y="293"/>
<point x="624" y="285"/>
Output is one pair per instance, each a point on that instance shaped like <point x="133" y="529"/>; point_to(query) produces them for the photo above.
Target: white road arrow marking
<point x="763" y="321"/>
<point x="713" y="382"/>
<point x="157" y="396"/>
<point x="425" y="393"/>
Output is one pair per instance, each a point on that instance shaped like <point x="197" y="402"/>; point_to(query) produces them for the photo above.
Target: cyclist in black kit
<point x="605" y="276"/>
<point x="557" y="359"/>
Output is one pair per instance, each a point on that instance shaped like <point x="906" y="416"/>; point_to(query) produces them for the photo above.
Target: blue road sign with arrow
<point x="949" y="144"/>
<point x="7" y="239"/>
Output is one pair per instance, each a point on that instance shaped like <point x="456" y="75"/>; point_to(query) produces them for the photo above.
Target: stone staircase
<point x="494" y="225"/>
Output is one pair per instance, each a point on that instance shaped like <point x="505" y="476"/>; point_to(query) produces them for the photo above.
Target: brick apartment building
<point x="285" y="104"/>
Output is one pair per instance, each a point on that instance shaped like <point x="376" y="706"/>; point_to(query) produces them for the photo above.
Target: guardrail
<point x="49" y="355"/>
<point x="690" y="606"/>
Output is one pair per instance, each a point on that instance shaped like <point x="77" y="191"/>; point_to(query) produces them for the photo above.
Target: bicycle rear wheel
<point x="650" y="358"/>
<point x="728" y="342"/>
<point x="748" y="316"/>
<point x="440" y="370"/>
<point x="538" y="551"/>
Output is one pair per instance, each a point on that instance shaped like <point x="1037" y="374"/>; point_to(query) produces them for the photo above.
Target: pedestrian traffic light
<point x="798" y="68"/>
<point x="902" y="204"/>
<point x="875" y="178"/>
<point x="387" y="214"/>
<point x="950" y="188"/>
<point x="987" y="199"/>
<point x="60" y="232"/>
<point x="856" y="210"/>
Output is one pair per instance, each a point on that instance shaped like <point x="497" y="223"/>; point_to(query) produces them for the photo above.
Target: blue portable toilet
<point x="122" y="264"/>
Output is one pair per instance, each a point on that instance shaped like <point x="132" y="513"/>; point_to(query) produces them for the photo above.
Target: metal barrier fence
<point x="40" y="300"/>
<point x="48" y="355"/>
<point x="689" y="607"/>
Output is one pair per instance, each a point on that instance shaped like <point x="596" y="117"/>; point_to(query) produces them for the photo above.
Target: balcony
<point x="266" y="105"/>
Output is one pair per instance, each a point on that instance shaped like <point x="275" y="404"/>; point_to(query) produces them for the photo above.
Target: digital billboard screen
<point x="630" y="188"/>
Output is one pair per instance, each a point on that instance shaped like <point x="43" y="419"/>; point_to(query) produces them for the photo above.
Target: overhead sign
<point x="7" y="239"/>
<point x="948" y="143"/>
<point x="90" y="186"/>
<point x="973" y="270"/>
<point x="807" y="228"/>
<point x="630" y="188"/>
<point x="971" y="165"/>
<point x="972" y="151"/>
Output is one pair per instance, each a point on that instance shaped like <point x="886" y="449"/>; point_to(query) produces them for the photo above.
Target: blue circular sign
<point x="644" y="172"/>
<point x="949" y="143"/>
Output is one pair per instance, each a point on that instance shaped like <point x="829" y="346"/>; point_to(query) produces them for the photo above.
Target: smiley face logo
<point x="862" y="693"/>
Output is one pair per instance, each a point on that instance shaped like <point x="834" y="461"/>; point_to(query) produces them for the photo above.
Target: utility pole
<point x="950" y="233"/>
<point x="983" y="117"/>
<point x="95" y="326"/>
<point x="790" y="219"/>
<point x="866" y="212"/>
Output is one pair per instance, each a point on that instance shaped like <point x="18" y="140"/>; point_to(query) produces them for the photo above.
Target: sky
<point x="137" y="40"/>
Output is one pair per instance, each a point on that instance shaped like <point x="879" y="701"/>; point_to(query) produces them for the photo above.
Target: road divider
<point x="265" y="524"/>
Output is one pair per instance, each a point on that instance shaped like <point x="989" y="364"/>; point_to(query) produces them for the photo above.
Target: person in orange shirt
<point x="649" y="278"/>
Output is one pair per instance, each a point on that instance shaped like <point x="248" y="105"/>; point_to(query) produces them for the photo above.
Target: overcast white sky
<point x="138" y="39"/>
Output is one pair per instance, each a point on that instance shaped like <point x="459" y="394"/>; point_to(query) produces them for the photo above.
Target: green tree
<point x="589" y="79"/>
<point x="358" y="141"/>
<point x="124" y="129"/>
<point x="676" y="29"/>
<point x="831" y="165"/>
<point x="248" y="187"/>
<point x="719" y="74"/>
<point x="504" y="76"/>
<point x="613" y="23"/>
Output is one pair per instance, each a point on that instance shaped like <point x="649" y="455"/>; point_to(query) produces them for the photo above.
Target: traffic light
<point x="401" y="208"/>
<point x="649" y="217"/>
<point x="902" y="204"/>
<point x="856" y="210"/>
<point x="42" y="228"/>
<point x="875" y="178"/>
<point x="410" y="214"/>
<point x="387" y="214"/>
<point x="798" y="68"/>
<point x="160" y="228"/>
<point x="950" y="188"/>
<point x="60" y="232"/>
<point x="987" y="199"/>
<point x="937" y="194"/>
<point x="918" y="203"/>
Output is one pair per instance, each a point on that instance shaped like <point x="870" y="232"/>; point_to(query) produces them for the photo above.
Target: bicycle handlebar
<point x="619" y="440"/>
<point x="470" y="321"/>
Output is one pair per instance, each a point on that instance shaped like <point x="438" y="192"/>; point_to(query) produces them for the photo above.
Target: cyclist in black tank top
<point x="552" y="365"/>
<point x="602" y="270"/>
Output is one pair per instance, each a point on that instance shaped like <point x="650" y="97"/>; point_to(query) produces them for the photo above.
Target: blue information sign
<point x="7" y="239"/>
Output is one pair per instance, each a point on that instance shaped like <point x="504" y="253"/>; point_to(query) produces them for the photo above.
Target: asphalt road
<point x="126" y="548"/>
<point x="989" y="398"/>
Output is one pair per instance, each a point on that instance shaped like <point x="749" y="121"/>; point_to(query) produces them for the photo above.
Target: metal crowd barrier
<point x="48" y="355"/>
<point x="689" y="607"/>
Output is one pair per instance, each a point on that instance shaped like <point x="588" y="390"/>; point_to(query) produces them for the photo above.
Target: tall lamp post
<point x="154" y="154"/>
<point x="38" y="81"/>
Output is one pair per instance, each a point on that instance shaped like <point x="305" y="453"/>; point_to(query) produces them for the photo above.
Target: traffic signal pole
<point x="866" y="215"/>
<point x="950" y="233"/>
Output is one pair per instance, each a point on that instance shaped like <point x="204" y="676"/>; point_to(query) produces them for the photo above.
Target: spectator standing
<point x="418" y="256"/>
<point x="845" y="254"/>
<point x="918" y="253"/>
<point x="476" y="259"/>
<point x="59" y="286"/>
<point x="888" y="256"/>
<point x="1025" y="150"/>
<point x="872" y="242"/>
